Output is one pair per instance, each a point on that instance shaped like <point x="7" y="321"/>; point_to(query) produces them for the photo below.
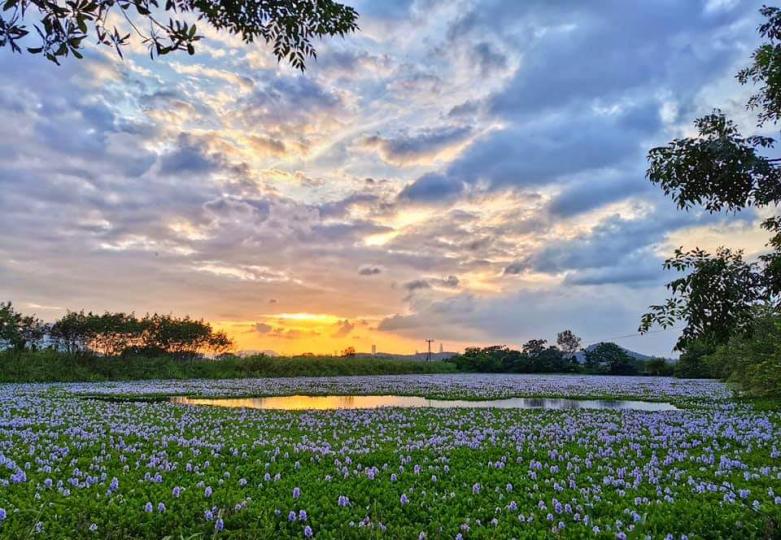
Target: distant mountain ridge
<point x="581" y="355"/>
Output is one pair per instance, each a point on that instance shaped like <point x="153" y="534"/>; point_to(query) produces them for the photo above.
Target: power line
<point x="638" y="334"/>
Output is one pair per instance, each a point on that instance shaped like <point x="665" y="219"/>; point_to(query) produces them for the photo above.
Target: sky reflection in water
<point x="373" y="402"/>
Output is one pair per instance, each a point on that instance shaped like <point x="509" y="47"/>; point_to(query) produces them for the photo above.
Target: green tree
<point x="715" y="296"/>
<point x="658" y="367"/>
<point x="720" y="169"/>
<point x="568" y="342"/>
<point x="288" y="26"/>
<point x="610" y="359"/>
<point x="73" y="332"/>
<point x="18" y="331"/>
<point x="752" y="360"/>
<point x="534" y="346"/>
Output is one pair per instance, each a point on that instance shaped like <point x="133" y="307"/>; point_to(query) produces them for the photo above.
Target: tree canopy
<point x="112" y="334"/>
<point x="60" y="28"/>
<point x="721" y="169"/>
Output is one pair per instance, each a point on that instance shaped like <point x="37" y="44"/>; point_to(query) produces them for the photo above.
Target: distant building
<point x="441" y="348"/>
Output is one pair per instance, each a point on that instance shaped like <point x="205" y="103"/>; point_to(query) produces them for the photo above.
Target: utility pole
<point x="428" y="355"/>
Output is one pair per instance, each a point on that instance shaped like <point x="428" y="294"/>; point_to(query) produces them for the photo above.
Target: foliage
<point x="715" y="296"/>
<point x="349" y="352"/>
<point x="289" y="26"/>
<point x="766" y="69"/>
<point x="658" y="367"/>
<point x="534" y="358"/>
<point x="691" y="364"/>
<point x="720" y="169"/>
<point x="53" y="366"/>
<point x="114" y="334"/>
<point x="609" y="359"/>
<point x="19" y="331"/>
<point x="753" y="360"/>
<point x="568" y="342"/>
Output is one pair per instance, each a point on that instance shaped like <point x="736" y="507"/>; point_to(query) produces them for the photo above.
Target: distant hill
<point x="581" y="355"/>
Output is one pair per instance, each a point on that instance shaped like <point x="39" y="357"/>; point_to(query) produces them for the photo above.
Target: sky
<point x="467" y="171"/>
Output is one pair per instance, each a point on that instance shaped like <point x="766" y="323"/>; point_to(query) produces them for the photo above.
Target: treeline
<point x="111" y="334"/>
<point x="55" y="366"/>
<point x="538" y="357"/>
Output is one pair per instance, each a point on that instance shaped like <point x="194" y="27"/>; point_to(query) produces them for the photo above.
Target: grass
<point x="51" y="366"/>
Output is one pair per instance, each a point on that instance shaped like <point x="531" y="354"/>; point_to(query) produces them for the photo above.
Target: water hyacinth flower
<point x="176" y="492"/>
<point x="207" y="492"/>
<point x="476" y="489"/>
<point x="308" y="532"/>
<point x="296" y="492"/>
<point x="93" y="527"/>
<point x="343" y="501"/>
<point x="291" y="516"/>
<point x="3" y="514"/>
<point x="219" y="525"/>
<point x="161" y="507"/>
<point x="403" y="499"/>
<point x="148" y="507"/>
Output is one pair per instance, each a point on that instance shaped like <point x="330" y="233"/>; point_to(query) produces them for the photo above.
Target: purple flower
<point x="93" y="528"/>
<point x="176" y="491"/>
<point x="219" y="525"/>
<point x="343" y="501"/>
<point x="476" y="489"/>
<point x="148" y="507"/>
<point x="302" y="515"/>
<point x="161" y="507"/>
<point x="3" y="515"/>
<point x="207" y="492"/>
<point x="296" y="492"/>
<point x="308" y="532"/>
<point x="291" y="516"/>
<point x="404" y="500"/>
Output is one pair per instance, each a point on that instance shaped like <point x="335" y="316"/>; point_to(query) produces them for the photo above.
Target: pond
<point x="297" y="403"/>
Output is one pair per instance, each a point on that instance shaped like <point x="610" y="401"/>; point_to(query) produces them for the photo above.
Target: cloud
<point x="416" y="285"/>
<point x="500" y="191"/>
<point x="369" y="270"/>
<point x="422" y="147"/>
<point x="189" y="156"/>
<point x="263" y="328"/>
<point x="343" y="329"/>
<point x="432" y="188"/>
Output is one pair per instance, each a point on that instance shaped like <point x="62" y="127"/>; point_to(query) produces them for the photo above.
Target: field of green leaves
<point x="73" y="465"/>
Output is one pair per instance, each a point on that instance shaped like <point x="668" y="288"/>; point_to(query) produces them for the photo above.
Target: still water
<point x="297" y="403"/>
